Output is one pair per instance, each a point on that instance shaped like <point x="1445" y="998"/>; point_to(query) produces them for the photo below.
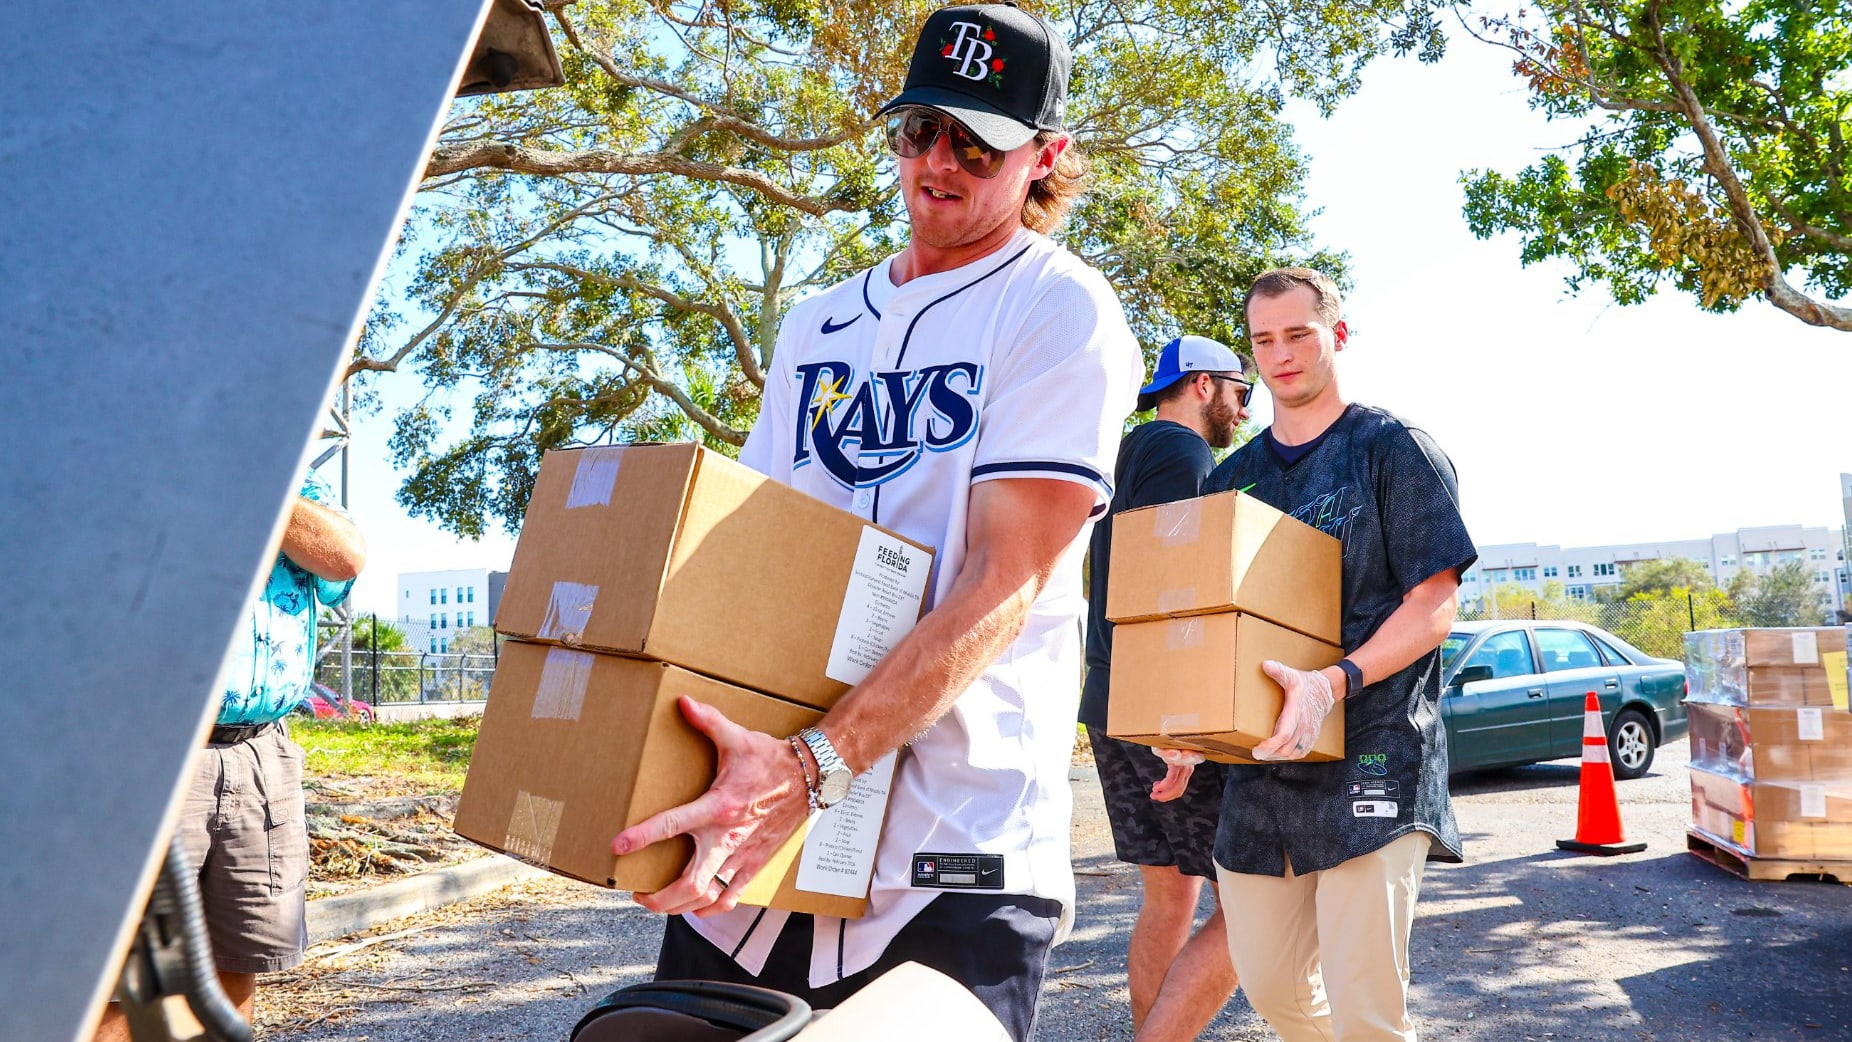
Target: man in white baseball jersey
<point x="966" y="392"/>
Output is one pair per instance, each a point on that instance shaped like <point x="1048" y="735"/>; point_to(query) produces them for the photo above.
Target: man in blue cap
<point x="1178" y="979"/>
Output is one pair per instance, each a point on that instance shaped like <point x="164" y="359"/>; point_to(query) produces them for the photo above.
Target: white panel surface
<point x="195" y="199"/>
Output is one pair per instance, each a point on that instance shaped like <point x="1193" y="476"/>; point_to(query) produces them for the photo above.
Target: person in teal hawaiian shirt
<point x="243" y="824"/>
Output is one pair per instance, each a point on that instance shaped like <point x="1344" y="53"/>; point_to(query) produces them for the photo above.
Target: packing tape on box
<point x="1183" y="634"/>
<point x="1178" y="524"/>
<point x="532" y="827"/>
<point x="569" y="609"/>
<point x="563" y="680"/>
<point x="596" y="477"/>
<point x="1176" y="600"/>
<point x="1806" y="648"/>
<point x="1179" y="723"/>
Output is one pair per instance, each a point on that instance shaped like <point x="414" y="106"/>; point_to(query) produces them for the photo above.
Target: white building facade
<point x="434" y="607"/>
<point x="1585" y="570"/>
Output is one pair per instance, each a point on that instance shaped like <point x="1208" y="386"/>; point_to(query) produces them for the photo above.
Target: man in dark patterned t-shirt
<point x="1320" y="863"/>
<point x="1178" y="979"/>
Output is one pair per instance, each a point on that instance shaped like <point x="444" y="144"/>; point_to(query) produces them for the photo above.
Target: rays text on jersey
<point x="868" y="428"/>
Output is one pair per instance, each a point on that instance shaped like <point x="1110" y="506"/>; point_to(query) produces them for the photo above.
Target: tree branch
<point x="736" y="332"/>
<point x="708" y="421"/>
<point x="450" y="159"/>
<point x="1802" y="228"/>
<point x="717" y="117"/>
<point x="360" y="364"/>
<point x="1773" y="278"/>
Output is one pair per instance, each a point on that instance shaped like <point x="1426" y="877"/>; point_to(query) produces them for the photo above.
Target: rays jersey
<point x="892" y="402"/>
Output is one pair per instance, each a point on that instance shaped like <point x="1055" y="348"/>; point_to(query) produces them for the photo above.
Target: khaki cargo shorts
<point x="243" y="827"/>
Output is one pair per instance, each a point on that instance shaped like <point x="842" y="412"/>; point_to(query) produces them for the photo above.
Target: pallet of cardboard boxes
<point x="645" y="573"/>
<point x="1771" y="751"/>
<point x="1203" y="591"/>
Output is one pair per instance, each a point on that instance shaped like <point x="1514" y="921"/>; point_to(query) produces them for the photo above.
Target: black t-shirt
<point x="1159" y="462"/>
<point x="1388" y="492"/>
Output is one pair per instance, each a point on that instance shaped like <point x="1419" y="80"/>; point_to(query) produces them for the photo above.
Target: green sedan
<point x="1513" y="692"/>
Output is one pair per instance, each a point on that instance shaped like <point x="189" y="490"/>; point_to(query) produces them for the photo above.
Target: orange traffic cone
<point x="1597" y="827"/>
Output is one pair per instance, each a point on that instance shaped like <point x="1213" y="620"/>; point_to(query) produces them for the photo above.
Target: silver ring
<point x="725" y="883"/>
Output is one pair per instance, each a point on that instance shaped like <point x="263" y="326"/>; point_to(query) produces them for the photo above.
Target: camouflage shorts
<point x="1145" y="832"/>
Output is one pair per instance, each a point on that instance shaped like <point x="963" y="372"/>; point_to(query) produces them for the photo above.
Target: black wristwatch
<point x="1353" y="677"/>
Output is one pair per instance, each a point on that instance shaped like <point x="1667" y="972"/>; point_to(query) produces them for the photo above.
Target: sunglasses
<point x="1241" y="397"/>
<point x="911" y="133"/>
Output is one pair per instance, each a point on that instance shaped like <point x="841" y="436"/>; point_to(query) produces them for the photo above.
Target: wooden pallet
<point x="1765" y="869"/>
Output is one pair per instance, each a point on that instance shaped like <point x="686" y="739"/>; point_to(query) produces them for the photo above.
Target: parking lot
<point x="1521" y="942"/>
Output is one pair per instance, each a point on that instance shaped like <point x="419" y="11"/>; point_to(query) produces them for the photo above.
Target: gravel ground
<point x="1521" y="943"/>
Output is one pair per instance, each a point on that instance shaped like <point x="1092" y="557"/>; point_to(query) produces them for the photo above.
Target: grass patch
<point x="420" y="757"/>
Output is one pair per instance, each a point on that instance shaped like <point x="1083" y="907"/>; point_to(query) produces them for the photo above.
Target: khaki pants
<point x="1324" y="955"/>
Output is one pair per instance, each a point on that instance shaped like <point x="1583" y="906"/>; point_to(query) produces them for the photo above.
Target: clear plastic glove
<point x="1180" y="764"/>
<point x="1178" y="757"/>
<point x="1308" y="701"/>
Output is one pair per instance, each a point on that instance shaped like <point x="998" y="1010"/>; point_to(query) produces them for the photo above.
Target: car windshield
<point x="1451" y="647"/>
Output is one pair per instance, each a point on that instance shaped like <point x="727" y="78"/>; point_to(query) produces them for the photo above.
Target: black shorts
<point x="1178" y="834"/>
<point x="994" y="944"/>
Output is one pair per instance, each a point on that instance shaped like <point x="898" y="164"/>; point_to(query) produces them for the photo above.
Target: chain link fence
<point x="1655" y="625"/>
<point x="380" y="661"/>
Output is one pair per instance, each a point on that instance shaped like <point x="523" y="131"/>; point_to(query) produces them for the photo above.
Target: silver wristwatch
<point x="833" y="776"/>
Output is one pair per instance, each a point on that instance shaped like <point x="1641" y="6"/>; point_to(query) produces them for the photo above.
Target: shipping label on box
<point x="887" y="586"/>
<point x="1196" y="683"/>
<point x="1220" y="553"/>
<point x="575" y="747"/>
<point x="679" y="554"/>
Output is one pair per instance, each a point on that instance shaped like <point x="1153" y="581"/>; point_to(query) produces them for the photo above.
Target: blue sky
<point x="1571" y="420"/>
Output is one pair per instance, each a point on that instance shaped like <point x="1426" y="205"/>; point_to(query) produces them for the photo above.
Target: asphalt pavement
<point x="1523" y="942"/>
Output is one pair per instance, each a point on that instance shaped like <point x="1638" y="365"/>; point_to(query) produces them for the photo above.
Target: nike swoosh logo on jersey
<point x="830" y="325"/>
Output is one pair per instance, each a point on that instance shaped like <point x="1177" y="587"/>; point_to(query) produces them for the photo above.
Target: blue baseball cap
<point x="1187" y="355"/>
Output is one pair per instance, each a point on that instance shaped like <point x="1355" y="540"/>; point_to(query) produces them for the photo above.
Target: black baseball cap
<point x="996" y="68"/>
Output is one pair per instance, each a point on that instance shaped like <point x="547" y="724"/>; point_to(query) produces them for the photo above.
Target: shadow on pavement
<point x="1659" y="947"/>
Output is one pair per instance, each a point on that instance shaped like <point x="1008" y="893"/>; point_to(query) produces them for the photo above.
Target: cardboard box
<point x="1797" y="646"/>
<point x="575" y="747"/>
<point x="1221" y="553"/>
<point x="679" y="554"/>
<point x="1789" y="744"/>
<point x="1196" y="683"/>
<point x="1760" y="819"/>
<point x="1766" y="667"/>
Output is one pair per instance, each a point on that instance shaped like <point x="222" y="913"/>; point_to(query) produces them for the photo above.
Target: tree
<point x="398" y="674"/>
<point x="1714" y="155"/>
<point x="609" y="260"/>
<point x="472" y="664"/>
<point x="371" y="632"/>
<point x="1656" y="621"/>
<point x="1517" y="601"/>
<point x="1783" y="596"/>
<point x="1661" y="577"/>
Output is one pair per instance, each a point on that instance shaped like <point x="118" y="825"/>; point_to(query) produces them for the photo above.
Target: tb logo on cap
<point x="970" y="50"/>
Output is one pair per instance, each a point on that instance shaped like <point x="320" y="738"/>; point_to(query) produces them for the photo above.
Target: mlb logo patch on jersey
<point x="1386" y="789"/>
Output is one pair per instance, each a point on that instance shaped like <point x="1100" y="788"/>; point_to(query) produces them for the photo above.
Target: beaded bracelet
<point x="803" y="767"/>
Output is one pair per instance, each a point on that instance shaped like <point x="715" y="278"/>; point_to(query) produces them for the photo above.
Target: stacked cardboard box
<point x="1201" y="592"/>
<point x="649" y="572"/>
<point x="1771" y="741"/>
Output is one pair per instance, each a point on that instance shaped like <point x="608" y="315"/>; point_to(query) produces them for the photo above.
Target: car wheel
<point x="1630" y="744"/>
